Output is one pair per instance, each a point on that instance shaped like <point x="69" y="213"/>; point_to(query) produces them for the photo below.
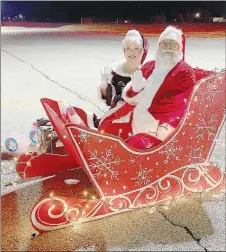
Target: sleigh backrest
<point x="201" y="73"/>
<point x="203" y="119"/>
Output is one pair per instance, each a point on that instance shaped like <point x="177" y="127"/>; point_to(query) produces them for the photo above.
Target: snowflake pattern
<point x="207" y="127"/>
<point x="83" y="136"/>
<point x="132" y="160"/>
<point x="104" y="164"/>
<point x="208" y="93"/>
<point x="170" y="151"/>
<point x="142" y="177"/>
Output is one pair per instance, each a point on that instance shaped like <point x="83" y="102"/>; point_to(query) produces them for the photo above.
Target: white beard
<point x="167" y="59"/>
<point x="143" y="121"/>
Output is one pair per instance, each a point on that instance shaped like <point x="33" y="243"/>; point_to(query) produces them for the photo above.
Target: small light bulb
<point x="120" y="130"/>
<point x="28" y="163"/>
<point x="15" y="158"/>
<point x="49" y="135"/>
<point x="102" y="131"/>
<point x="64" y="136"/>
<point x="85" y="193"/>
<point x="87" y="206"/>
<point x="152" y="210"/>
<point x="93" y="197"/>
<point x="27" y="153"/>
<point x="130" y="134"/>
<point x="51" y="195"/>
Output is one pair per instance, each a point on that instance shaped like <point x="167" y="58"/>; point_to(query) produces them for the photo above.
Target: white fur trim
<point x="112" y="110"/>
<point x="131" y="100"/>
<point x="123" y="119"/>
<point x="143" y="121"/>
<point x="172" y="33"/>
<point x="90" y="121"/>
<point x="117" y="68"/>
<point x="113" y="92"/>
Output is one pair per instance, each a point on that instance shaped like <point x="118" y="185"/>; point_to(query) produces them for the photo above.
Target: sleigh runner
<point x="126" y="178"/>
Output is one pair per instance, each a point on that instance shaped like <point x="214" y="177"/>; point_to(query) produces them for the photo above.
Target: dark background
<point x="107" y="11"/>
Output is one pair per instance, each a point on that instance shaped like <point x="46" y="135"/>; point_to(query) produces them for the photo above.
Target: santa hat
<point x="175" y="34"/>
<point x="135" y="35"/>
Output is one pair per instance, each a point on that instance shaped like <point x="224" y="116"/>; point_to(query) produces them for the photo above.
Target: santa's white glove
<point x="138" y="81"/>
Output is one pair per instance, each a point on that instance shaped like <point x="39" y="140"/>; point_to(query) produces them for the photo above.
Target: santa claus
<point x="155" y="99"/>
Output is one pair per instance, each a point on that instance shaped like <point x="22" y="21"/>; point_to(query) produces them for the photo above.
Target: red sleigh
<point x="126" y="179"/>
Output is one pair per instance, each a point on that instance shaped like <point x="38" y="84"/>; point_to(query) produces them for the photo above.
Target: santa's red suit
<point x="152" y="113"/>
<point x="152" y="110"/>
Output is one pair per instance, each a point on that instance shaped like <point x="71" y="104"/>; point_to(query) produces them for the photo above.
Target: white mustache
<point x="167" y="57"/>
<point x="167" y="52"/>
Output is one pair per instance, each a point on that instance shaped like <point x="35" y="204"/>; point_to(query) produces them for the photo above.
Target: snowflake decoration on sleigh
<point x="208" y="92"/>
<point x="143" y="177"/>
<point x="83" y="136"/>
<point x="206" y="125"/>
<point x="104" y="164"/>
<point x="171" y="151"/>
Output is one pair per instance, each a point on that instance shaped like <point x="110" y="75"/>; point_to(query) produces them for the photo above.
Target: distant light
<point x="20" y="16"/>
<point x="126" y="21"/>
<point x="197" y="14"/>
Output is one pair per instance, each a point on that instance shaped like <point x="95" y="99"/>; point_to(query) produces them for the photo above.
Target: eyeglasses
<point x="168" y="45"/>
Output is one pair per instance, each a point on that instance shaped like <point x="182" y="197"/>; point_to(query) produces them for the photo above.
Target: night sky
<point x="73" y="11"/>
